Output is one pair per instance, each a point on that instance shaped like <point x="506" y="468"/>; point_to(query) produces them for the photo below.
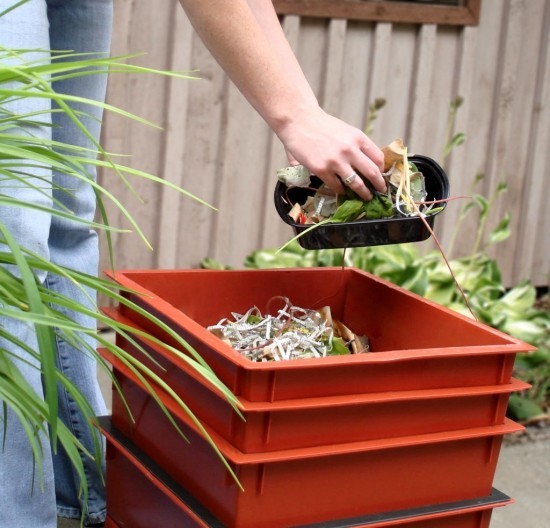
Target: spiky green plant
<point x="22" y="296"/>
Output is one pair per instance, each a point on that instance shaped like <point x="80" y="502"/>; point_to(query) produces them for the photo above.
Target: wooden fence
<point x="215" y="146"/>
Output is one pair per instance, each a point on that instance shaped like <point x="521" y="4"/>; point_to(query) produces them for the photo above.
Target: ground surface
<point x="523" y="473"/>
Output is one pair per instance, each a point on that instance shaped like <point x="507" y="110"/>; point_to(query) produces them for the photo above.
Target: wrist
<point x="285" y="117"/>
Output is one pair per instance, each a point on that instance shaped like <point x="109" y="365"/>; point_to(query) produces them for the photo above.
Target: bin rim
<point x="510" y="345"/>
<point x="236" y="456"/>
<point x="515" y="385"/>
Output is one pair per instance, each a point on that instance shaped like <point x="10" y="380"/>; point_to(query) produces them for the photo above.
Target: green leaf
<point x="25" y="298"/>
<point x="522" y="408"/>
<point x="525" y="330"/>
<point x="457" y="140"/>
<point x="270" y="259"/>
<point x="45" y="336"/>
<point x="301" y="234"/>
<point x="339" y="348"/>
<point x="441" y="294"/>
<point x="210" y="263"/>
<point x="348" y="211"/>
<point x="480" y="176"/>
<point x="12" y="7"/>
<point x="535" y="358"/>
<point x="502" y="187"/>
<point x="483" y="205"/>
<point x="520" y="298"/>
<point x="434" y="210"/>
<point x="501" y="231"/>
<point x="378" y="207"/>
<point x="417" y="282"/>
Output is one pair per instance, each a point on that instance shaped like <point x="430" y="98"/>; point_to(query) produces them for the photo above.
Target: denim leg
<point x="22" y="501"/>
<point x="81" y="26"/>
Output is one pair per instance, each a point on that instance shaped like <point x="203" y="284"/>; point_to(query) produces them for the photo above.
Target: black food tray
<point x="363" y="233"/>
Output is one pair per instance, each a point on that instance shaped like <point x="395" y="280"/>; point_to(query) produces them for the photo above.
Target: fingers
<point x="371" y="164"/>
<point x="365" y="169"/>
<point x="356" y="184"/>
<point x="366" y="160"/>
<point x="354" y="179"/>
<point x="334" y="150"/>
<point x="371" y="150"/>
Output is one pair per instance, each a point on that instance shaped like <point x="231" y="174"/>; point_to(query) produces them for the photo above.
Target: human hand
<point x="333" y="150"/>
<point x="248" y="42"/>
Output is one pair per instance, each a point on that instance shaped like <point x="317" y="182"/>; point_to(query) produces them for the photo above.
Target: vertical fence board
<point x="421" y="89"/>
<point x="205" y="124"/>
<point x="480" y="116"/>
<point x="428" y="130"/>
<point x="380" y="68"/>
<point x="173" y="166"/>
<point x="445" y="68"/>
<point x="516" y="145"/>
<point x="356" y="73"/>
<point x="531" y="256"/>
<point x="312" y="50"/>
<point x="398" y="83"/>
<point x="218" y="148"/>
<point x="240" y="181"/>
<point x="458" y="166"/>
<point x="331" y="98"/>
<point x="274" y="232"/>
<point x="141" y="94"/>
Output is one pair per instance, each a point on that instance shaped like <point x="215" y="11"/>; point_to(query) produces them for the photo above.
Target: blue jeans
<point x="80" y="26"/>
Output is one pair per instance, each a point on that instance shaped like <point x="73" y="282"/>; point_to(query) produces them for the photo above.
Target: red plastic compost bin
<point x="140" y="495"/>
<point x="308" y="422"/>
<point x="416" y="344"/>
<point x="306" y="485"/>
<point x="109" y="523"/>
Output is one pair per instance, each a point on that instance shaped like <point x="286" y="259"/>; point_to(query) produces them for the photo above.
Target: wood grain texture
<point x="215" y="145"/>
<point x="382" y="11"/>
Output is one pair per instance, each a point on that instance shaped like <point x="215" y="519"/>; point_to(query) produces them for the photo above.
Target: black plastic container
<point x="366" y="232"/>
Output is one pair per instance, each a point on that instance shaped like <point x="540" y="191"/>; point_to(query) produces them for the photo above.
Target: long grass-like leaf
<point x="44" y="335"/>
<point x="55" y="319"/>
<point x="32" y="412"/>
<point x="24" y="298"/>
<point x="12" y="7"/>
<point x="152" y="177"/>
<point x="12" y="202"/>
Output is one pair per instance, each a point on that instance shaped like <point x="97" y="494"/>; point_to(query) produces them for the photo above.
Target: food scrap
<point x="294" y="333"/>
<point x="405" y="196"/>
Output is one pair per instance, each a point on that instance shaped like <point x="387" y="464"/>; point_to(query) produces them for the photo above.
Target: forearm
<point x="246" y="39"/>
<point x="269" y="22"/>
<point x="252" y="50"/>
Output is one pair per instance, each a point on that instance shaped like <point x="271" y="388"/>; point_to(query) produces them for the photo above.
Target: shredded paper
<point x="294" y="333"/>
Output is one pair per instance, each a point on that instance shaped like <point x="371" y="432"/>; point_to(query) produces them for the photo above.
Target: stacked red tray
<point x="417" y="422"/>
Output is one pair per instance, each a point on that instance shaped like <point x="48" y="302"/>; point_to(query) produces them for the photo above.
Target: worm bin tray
<point x="416" y="344"/>
<point x="308" y="422"/>
<point x="141" y="495"/>
<point x="109" y="523"/>
<point x="376" y="232"/>
<point x="306" y="485"/>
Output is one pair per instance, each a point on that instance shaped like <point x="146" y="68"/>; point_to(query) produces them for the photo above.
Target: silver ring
<point x="350" y="179"/>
